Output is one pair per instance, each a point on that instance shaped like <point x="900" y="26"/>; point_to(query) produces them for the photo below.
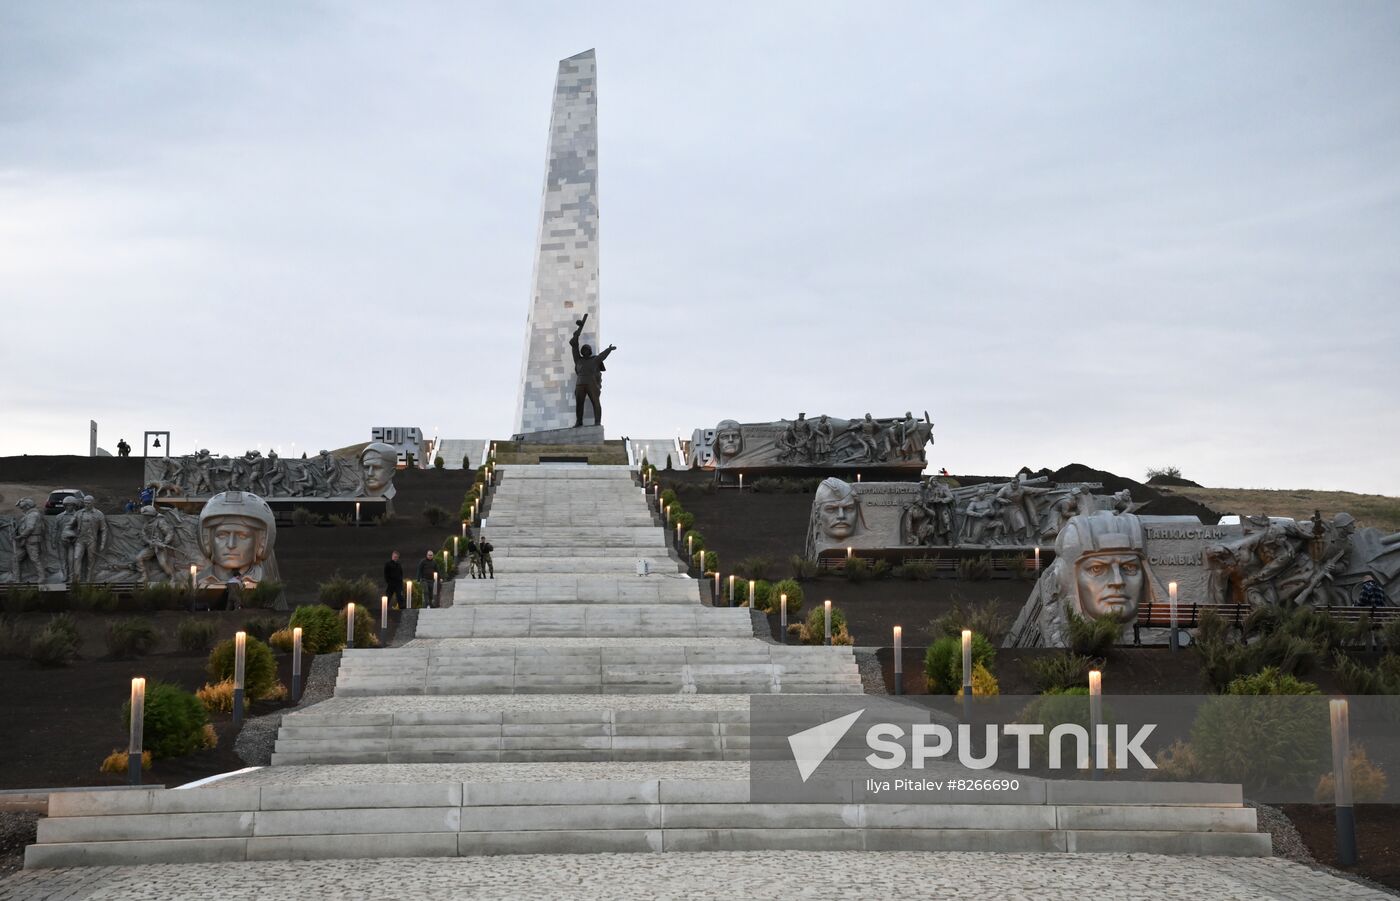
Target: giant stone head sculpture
<point x="1102" y="567"/>
<point x="236" y="534"/>
<point x="378" y="463"/>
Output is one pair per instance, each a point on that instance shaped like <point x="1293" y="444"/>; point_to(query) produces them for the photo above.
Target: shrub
<point x="984" y="684"/>
<point x="92" y="597"/>
<point x="117" y="762"/>
<point x="1177" y="763"/>
<point x="466" y="462"/>
<point x="365" y="634"/>
<point x="758" y="566"/>
<point x="801" y="568"/>
<point x="340" y="519"/>
<point x="685" y="518"/>
<point x="337" y="591"/>
<point x="1093" y="637"/>
<point x="984" y="619"/>
<point x="1359" y="679"/>
<point x="128" y="638"/>
<point x="435" y="515"/>
<point x="259" y="667"/>
<point x="22" y="600"/>
<point x="280" y="641"/>
<point x="439" y="462"/>
<point x="217" y="697"/>
<point x="261" y="627"/>
<point x="57" y="643"/>
<point x="856" y="570"/>
<point x="694" y="541"/>
<point x="916" y="571"/>
<point x="321" y="630"/>
<point x="174" y="720"/>
<point x="1274" y="646"/>
<point x="668" y="496"/>
<point x="264" y="595"/>
<point x="304" y="517"/>
<point x="1276" y="738"/>
<point x="1058" y="672"/>
<point x="943" y="661"/>
<point x="880" y="569"/>
<point x="1057" y="708"/>
<point x="194" y="635"/>
<point x="710" y="563"/>
<point x="975" y="569"/>
<point x="1390" y="636"/>
<point x="793" y="591"/>
<point x="161" y="596"/>
<point x="814" y="630"/>
<point x="764" y="600"/>
<point x="1171" y="472"/>
<point x="1368" y="782"/>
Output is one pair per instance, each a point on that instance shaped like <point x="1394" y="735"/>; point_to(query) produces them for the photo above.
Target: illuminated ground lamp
<point x="436" y="585"/>
<point x="296" y="664"/>
<point x="1174" y="639"/>
<point x="741" y="481"/>
<point x="752" y="583"/>
<point x="857" y="478"/>
<point x="350" y="625"/>
<point x="668" y="514"/>
<point x="194" y="585"/>
<point x="899" y="660"/>
<point x="678" y="535"/>
<point x="826" y="630"/>
<point x="357" y="513"/>
<point x="967" y="662"/>
<point x="690" y="546"/>
<point x="1341" y="782"/>
<point x="1037" y="558"/>
<point x="240" y="650"/>
<point x="456" y="547"/>
<point x="782" y="617"/>
<point x="850" y="554"/>
<point x="1098" y="749"/>
<point x="717" y="587"/>
<point x="464" y="522"/>
<point x="138" y="721"/>
<point x="383" y="617"/>
<point x="731" y="589"/>
<point x="408" y="589"/>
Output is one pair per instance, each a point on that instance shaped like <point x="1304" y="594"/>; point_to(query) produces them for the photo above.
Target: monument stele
<point x="565" y="283"/>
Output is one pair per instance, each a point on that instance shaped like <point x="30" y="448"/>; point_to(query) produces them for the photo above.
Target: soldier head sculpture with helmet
<point x="236" y="535"/>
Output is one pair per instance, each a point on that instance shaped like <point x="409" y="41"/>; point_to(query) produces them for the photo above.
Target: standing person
<point x="484" y="550"/>
<point x="426" y="568"/>
<point x="473" y="558"/>
<point x="393" y="580"/>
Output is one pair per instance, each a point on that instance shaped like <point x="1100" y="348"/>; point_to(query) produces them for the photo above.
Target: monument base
<point x="588" y="434"/>
<point x="604" y="453"/>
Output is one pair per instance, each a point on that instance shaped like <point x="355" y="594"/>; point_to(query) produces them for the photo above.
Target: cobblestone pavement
<point x="747" y="875"/>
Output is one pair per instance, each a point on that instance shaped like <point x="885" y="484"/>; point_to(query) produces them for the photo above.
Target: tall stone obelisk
<point x="565" y="283"/>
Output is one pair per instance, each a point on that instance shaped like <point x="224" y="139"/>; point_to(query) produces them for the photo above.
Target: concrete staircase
<point x="570" y="705"/>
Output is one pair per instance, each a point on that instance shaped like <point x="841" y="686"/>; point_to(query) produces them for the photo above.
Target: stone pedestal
<point x="588" y="434"/>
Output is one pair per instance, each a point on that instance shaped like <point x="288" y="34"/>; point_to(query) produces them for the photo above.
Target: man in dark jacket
<point x="427" y="568"/>
<point x="393" y="580"/>
<point x="484" y="564"/>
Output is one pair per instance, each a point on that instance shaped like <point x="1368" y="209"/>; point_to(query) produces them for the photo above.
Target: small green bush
<point x="22" y="600"/>
<point x="173" y="723"/>
<point x="1057" y="708"/>
<point x="53" y="647"/>
<point x="801" y="568"/>
<point x="710" y="561"/>
<point x="758" y="566"/>
<point x="259" y="667"/>
<point x="99" y="598"/>
<point x="793" y="590"/>
<point x="1059" y="672"/>
<point x="264" y="595"/>
<point x="943" y="661"/>
<point x="195" y="636"/>
<point x="262" y="626"/>
<point x="668" y="496"/>
<point x="1390" y="636"/>
<point x="880" y="569"/>
<point x="161" y="596"/>
<point x="694" y="541"/>
<point x="984" y="619"/>
<point x="916" y="571"/>
<point x="340" y="519"/>
<point x="1270" y="681"/>
<point x="304" y="517"/>
<point x="816" y="621"/>
<point x="1278" y="738"/>
<point x="337" y="591"/>
<point x="763" y="598"/>
<point x="127" y="638"/>
<point x="975" y="569"/>
<point x="1358" y="679"/>
<point x="439" y="462"/>
<point x="1093" y="637"/>
<point x="435" y="515"/>
<point x="321" y="629"/>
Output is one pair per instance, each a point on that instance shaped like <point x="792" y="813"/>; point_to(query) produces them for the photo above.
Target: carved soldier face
<point x="233" y="542"/>
<point x="729" y="441"/>
<point x="1110" y="585"/>
<point x="378" y="462"/>
<point x="838" y="509"/>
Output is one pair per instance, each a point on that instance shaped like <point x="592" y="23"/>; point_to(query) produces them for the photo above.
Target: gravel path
<point x="17" y="829"/>
<point x="258" y="736"/>
<point x="872" y="678"/>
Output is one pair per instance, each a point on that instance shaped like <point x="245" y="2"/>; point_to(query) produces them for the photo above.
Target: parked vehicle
<point x="54" y="505"/>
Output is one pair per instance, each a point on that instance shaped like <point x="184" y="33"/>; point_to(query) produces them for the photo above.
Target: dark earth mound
<point x="1173" y="482"/>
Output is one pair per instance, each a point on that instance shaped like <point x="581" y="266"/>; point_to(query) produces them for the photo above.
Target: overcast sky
<point x="1126" y="235"/>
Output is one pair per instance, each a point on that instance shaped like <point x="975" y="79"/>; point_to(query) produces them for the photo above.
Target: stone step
<point x="553" y="536"/>
<point x="229" y="821"/>
<point x="621" y="565"/>
<point x="559" y="588"/>
<point x="579" y="620"/>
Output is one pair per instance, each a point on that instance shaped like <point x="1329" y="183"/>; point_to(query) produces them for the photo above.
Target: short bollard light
<point x="1037" y="558"/>
<point x="138" y="722"/>
<point x="967" y="662"/>
<point x="899" y="660"/>
<point x="1098" y="747"/>
<point x="678" y="534"/>
<point x="690" y="545"/>
<point x="408" y="590"/>
<point x="383" y="617"/>
<point x="741" y="481"/>
<point x="668" y="514"/>
<point x="752" y="583"/>
<point x="194" y="585"/>
<point x="1174" y="639"/>
<point x="456" y="547"/>
<point x="717" y="587"/>
<point x="357" y="513"/>
<point x="464" y="523"/>
<point x="782" y="617"/>
<point x="850" y="553"/>
<point x="1341" y="781"/>
<point x="240" y="652"/>
<point x="350" y="625"/>
<point x="826" y="629"/>
<point x="296" y="664"/>
<point x="731" y="589"/>
<point x="436" y="585"/>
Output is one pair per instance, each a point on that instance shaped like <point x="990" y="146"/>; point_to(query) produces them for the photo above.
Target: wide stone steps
<point x="563" y="565"/>
<point x="295" y="821"/>
<point x="583" y="621"/>
<point x="566" y="588"/>
<point x="575" y="536"/>
<point x="479" y="667"/>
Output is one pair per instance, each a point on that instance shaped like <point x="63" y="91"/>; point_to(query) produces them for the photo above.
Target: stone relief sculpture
<point x="929" y="521"/>
<point x="1101" y="569"/>
<point x="1020" y="512"/>
<point x="369" y="473"/>
<point x="1282" y="562"/>
<point x="837" y="518"/>
<point x="824" y="442"/>
<point x="83" y="545"/>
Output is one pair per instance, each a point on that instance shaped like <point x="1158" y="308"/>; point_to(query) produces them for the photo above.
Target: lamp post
<point x="1341" y="781"/>
<point x="717" y="587"/>
<point x="138" y="722"/>
<point x="357" y="513"/>
<point x="436" y="586"/>
<point x="408" y="589"/>
<point x="350" y="625"/>
<point x="383" y="618"/>
<point x="731" y="590"/>
<point x="899" y="660"/>
<point x="1173" y="639"/>
<point x="296" y="664"/>
<point x="826" y="629"/>
<point x="194" y="585"/>
<point x="1095" y="719"/>
<point x="240" y="648"/>
<point x="1037" y="558"/>
<point x="782" y="617"/>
